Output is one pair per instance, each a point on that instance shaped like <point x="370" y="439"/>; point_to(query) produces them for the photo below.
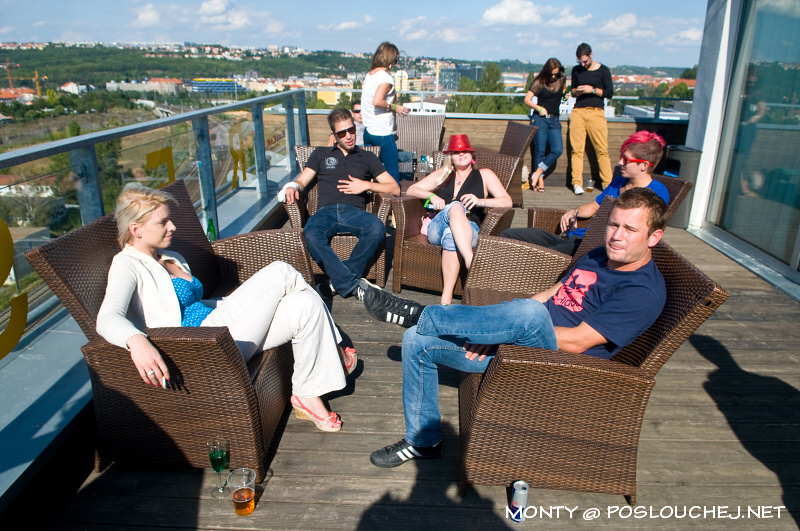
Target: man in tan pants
<point x="591" y="83"/>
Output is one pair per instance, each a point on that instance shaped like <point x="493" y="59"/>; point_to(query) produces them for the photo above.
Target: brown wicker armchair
<point x="212" y="391"/>
<point x="418" y="263"/>
<point x="420" y="132"/>
<point x="516" y="141"/>
<point x="342" y="245"/>
<point x="568" y="421"/>
<point x="550" y="218"/>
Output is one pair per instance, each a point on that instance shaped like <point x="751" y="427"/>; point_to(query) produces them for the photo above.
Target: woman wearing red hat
<point x="461" y="194"/>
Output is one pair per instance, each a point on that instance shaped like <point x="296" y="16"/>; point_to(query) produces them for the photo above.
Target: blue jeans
<point x="331" y="220"/>
<point x="438" y="339"/>
<point x="549" y="133"/>
<point x="388" y="156"/>
<point x="439" y="232"/>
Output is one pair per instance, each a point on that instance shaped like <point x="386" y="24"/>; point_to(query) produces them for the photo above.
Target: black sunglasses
<point x="356" y="111"/>
<point x="343" y="132"/>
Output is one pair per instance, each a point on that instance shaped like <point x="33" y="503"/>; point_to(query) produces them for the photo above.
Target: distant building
<point x="156" y="84"/>
<point x="73" y="88"/>
<point x="217" y="86"/>
<point x="449" y="77"/>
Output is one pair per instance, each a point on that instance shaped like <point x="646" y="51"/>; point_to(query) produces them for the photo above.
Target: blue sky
<point x="645" y="33"/>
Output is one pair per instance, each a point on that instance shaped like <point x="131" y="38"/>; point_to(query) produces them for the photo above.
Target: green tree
<point x="74" y="129"/>
<point x="344" y="100"/>
<point x="492" y="79"/>
<point x="465" y="104"/>
<point x="681" y="90"/>
<point x="689" y="73"/>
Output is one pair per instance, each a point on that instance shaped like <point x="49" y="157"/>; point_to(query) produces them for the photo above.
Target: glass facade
<point x="756" y="192"/>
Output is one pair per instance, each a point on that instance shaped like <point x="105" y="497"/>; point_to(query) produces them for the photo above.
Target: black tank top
<point x="473" y="184"/>
<point x="549" y="100"/>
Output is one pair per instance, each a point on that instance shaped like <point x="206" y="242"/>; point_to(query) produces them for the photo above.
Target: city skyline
<point x="620" y="33"/>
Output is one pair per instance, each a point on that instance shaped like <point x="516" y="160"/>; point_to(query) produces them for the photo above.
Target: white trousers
<point x="276" y="306"/>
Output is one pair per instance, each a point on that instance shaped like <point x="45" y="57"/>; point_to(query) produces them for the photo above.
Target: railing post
<point x="657" y="110"/>
<point x="288" y="105"/>
<point x="87" y="181"/>
<point x="257" y="112"/>
<point x="205" y="169"/>
<point x="302" y="118"/>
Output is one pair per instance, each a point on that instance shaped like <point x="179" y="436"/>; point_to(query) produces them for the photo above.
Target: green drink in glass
<point x="219" y="455"/>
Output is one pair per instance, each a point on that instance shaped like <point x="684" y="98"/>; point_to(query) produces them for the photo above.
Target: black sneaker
<point x="326" y="294"/>
<point x="402" y="452"/>
<point x="363" y="286"/>
<point x="390" y="308"/>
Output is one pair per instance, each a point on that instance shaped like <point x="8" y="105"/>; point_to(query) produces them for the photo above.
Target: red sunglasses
<point x="626" y="161"/>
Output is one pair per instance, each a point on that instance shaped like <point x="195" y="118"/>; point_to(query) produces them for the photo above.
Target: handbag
<point x="426" y="220"/>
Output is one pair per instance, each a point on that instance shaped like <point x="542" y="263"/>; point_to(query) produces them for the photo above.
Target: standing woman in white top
<point x="379" y="105"/>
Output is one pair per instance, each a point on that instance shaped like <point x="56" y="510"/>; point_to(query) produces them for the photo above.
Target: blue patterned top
<point x="189" y="296"/>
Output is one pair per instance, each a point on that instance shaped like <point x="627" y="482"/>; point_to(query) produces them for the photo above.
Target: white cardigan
<point x="139" y="295"/>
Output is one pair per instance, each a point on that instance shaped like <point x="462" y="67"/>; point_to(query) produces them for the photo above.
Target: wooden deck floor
<point x="721" y="429"/>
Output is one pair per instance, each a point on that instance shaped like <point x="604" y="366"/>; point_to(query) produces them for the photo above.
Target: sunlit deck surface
<point x="721" y="429"/>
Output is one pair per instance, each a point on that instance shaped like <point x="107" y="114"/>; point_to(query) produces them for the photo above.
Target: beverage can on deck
<point x="519" y="500"/>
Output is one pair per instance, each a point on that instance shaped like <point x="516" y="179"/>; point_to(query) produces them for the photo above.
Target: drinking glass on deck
<point x="219" y="455"/>
<point x="242" y="480"/>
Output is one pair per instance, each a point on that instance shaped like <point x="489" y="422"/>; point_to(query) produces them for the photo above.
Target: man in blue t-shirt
<point x="639" y="154"/>
<point x="609" y="297"/>
<point x="345" y="175"/>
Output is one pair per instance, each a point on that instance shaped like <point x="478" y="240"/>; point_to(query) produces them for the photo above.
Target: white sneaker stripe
<point x="403" y="456"/>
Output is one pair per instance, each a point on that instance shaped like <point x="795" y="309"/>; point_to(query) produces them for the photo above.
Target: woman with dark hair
<point x="548" y="88"/>
<point x="379" y="105"/>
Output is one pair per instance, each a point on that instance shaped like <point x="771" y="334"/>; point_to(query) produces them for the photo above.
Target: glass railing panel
<point x="34" y="208"/>
<point x="154" y="158"/>
<point x="276" y="146"/>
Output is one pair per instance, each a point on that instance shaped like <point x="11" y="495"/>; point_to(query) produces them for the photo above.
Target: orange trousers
<point x="591" y="122"/>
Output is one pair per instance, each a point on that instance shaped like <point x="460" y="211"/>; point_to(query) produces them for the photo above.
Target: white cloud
<point x="691" y="36"/>
<point x="623" y="24"/>
<point x="341" y="26"/>
<point x="368" y="19"/>
<point x="516" y="12"/>
<point x="534" y="39"/>
<point x="147" y="16"/>
<point x="212" y="8"/>
<point x="790" y="8"/>
<point x="567" y="19"/>
<point x="39" y="24"/>
<point x="411" y="29"/>
<point x="451" y="35"/>
<point x="6" y="29"/>
<point x="643" y="34"/>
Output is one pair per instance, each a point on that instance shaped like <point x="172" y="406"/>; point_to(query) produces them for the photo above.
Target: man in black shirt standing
<point x="591" y="83"/>
<point x="345" y="176"/>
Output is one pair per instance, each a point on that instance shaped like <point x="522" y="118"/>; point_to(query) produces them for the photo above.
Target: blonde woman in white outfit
<point x="379" y="105"/>
<point x="151" y="287"/>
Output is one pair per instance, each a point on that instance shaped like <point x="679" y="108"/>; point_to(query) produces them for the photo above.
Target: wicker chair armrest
<point x="496" y="221"/>
<point x="504" y="269"/>
<point x="382" y="206"/>
<point x="298" y="215"/>
<point x="240" y="257"/>
<point x="408" y="212"/>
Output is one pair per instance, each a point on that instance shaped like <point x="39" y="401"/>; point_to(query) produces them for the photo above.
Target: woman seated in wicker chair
<point x="150" y="287"/>
<point x="461" y="194"/>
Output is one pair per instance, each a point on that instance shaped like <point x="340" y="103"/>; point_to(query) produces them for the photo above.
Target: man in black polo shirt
<point x="591" y="82"/>
<point x="345" y="175"/>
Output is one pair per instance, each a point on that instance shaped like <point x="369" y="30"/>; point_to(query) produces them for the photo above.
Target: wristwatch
<point x="594" y="91"/>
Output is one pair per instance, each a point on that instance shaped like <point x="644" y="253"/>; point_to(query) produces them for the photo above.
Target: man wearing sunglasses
<point x="346" y="175"/>
<point x="591" y="84"/>
<point x="639" y="155"/>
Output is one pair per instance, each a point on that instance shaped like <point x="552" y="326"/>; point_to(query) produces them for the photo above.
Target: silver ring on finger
<point x="150" y="373"/>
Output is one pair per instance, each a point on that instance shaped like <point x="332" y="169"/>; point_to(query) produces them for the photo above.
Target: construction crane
<point x="35" y="79"/>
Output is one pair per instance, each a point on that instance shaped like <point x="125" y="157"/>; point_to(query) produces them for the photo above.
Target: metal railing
<point x="86" y="168"/>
